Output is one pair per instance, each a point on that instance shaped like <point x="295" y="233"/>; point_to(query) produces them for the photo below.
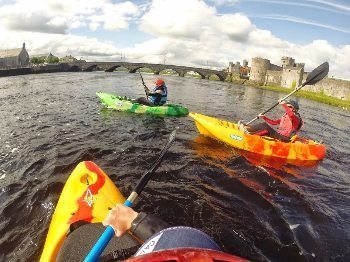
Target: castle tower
<point x="287" y="61"/>
<point x="259" y="68"/>
<point x="245" y="63"/>
<point x="231" y="67"/>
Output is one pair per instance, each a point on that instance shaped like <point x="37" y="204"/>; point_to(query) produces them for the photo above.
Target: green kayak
<point x="122" y="103"/>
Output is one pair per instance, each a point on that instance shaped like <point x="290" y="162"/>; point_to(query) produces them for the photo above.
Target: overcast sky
<point x="183" y="32"/>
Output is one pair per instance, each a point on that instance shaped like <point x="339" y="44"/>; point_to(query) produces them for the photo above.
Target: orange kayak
<point x="227" y="132"/>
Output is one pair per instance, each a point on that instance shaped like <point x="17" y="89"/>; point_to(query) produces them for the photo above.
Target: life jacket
<point x="163" y="98"/>
<point x="289" y="126"/>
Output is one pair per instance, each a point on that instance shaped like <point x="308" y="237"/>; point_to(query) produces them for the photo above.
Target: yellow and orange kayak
<point x="87" y="196"/>
<point x="227" y="132"/>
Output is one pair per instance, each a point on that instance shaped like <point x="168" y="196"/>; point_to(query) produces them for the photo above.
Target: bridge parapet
<point x="156" y="68"/>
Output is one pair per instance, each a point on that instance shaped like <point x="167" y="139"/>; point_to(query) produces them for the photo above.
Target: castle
<point x="288" y="75"/>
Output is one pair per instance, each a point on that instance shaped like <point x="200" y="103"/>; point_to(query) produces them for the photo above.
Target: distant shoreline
<point x="315" y="96"/>
<point x="56" y="68"/>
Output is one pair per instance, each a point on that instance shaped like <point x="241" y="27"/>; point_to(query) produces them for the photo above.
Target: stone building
<point x="14" y="57"/>
<point x="234" y="68"/>
<point x="259" y="68"/>
<point x="289" y="74"/>
<point x="243" y="71"/>
<point x="292" y="75"/>
<point x="68" y="59"/>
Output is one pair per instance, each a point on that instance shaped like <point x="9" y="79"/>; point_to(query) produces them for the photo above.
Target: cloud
<point x="342" y="7"/>
<point x="58" y="16"/>
<point x="184" y="32"/>
<point x="181" y="18"/>
<point x="236" y="27"/>
<point x="224" y="2"/>
<point x="303" y="21"/>
<point x="58" y="44"/>
<point x="329" y="7"/>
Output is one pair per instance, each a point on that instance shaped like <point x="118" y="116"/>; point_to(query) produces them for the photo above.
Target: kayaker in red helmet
<point x="289" y="124"/>
<point x="157" y="97"/>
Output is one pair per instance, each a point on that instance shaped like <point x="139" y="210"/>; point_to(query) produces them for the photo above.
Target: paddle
<point x="144" y="85"/>
<point x="315" y="75"/>
<point x="107" y="235"/>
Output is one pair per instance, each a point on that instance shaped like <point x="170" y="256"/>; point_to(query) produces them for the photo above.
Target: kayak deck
<point x="87" y="196"/>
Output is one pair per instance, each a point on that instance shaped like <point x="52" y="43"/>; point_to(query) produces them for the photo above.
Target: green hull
<point x="121" y="103"/>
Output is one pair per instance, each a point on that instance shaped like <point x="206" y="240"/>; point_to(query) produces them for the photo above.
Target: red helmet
<point x="159" y="82"/>
<point x="186" y="254"/>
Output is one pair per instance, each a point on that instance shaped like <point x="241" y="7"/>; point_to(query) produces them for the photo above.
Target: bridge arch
<point x="169" y="71"/>
<point x="221" y="78"/>
<point x="91" y="68"/>
<point x="189" y="72"/>
<point x="112" y="68"/>
<point x="135" y="69"/>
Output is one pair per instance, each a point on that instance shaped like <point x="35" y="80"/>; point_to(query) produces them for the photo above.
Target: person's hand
<point x="261" y="115"/>
<point x="281" y="102"/>
<point x="120" y="219"/>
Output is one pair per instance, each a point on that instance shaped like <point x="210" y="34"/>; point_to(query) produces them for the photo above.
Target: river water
<point x="258" y="210"/>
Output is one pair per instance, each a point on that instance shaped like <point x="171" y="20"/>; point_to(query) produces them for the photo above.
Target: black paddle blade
<point x="317" y="74"/>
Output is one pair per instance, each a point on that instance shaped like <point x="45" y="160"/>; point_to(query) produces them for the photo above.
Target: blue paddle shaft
<point x="100" y="245"/>
<point x="103" y="241"/>
<point x="107" y="235"/>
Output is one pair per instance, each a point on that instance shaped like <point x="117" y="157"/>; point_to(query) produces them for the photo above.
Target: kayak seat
<point x="75" y="225"/>
<point x="79" y="242"/>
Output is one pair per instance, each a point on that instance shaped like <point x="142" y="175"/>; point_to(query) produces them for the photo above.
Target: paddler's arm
<point x="156" y="93"/>
<point x="145" y="225"/>
<point x="268" y="120"/>
<point x="122" y="219"/>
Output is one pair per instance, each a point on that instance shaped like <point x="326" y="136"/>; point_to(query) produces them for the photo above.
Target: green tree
<point x="52" y="60"/>
<point x="37" y="60"/>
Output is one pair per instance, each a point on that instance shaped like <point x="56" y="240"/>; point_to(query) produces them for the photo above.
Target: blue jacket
<point x="157" y="98"/>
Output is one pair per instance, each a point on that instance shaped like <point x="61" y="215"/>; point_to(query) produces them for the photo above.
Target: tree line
<point x="42" y="59"/>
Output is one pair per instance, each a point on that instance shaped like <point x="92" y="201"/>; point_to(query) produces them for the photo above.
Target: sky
<point x="200" y="33"/>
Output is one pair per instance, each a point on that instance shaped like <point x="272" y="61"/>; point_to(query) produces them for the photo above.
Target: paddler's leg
<point x="144" y="101"/>
<point x="78" y="244"/>
<point x="261" y="129"/>
<point x="276" y="135"/>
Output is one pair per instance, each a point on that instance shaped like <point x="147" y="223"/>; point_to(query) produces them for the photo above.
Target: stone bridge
<point x="156" y="68"/>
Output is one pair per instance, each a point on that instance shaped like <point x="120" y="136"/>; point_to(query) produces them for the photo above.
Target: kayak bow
<point x="87" y="196"/>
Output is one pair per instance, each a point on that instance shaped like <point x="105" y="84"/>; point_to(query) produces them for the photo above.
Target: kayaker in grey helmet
<point x="164" y="243"/>
<point x="160" y="241"/>
<point x="157" y="97"/>
<point x="289" y="124"/>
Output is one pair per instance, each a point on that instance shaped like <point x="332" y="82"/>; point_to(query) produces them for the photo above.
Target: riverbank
<point x="319" y="97"/>
<point x="315" y="96"/>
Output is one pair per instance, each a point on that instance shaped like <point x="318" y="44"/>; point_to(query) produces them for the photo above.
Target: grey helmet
<point x="293" y="103"/>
